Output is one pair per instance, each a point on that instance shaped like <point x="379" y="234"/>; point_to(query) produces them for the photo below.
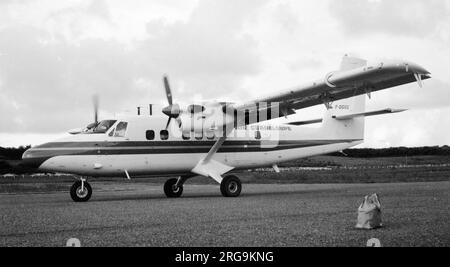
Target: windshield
<point x="102" y="127"/>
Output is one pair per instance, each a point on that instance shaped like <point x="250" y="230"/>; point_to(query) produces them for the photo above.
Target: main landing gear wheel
<point x="81" y="191"/>
<point x="171" y="189"/>
<point x="231" y="186"/>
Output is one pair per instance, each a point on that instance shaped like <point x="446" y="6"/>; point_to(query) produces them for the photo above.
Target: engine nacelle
<point x="210" y="121"/>
<point x="196" y="123"/>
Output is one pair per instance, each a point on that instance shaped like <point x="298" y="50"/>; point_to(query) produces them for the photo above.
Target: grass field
<point x="325" y="161"/>
<point x="338" y="170"/>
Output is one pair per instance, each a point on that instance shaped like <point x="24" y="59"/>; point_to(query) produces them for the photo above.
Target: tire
<point x="170" y="190"/>
<point x="231" y="186"/>
<point x="80" y="196"/>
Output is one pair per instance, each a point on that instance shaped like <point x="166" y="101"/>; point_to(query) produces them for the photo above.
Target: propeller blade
<point x="168" y="123"/>
<point x="168" y="91"/>
<point x="95" y="101"/>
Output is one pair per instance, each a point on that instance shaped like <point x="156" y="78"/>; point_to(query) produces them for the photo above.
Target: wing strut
<point x="212" y="168"/>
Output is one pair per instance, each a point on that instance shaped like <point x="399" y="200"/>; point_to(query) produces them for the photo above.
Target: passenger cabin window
<point x="210" y="135"/>
<point x="258" y="135"/>
<point x="164" y="135"/>
<point x="121" y="129"/>
<point x="150" y="135"/>
<point x="186" y="136"/>
<point x="199" y="136"/>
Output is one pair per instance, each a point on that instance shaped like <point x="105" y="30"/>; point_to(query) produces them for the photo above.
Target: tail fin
<point x="351" y="129"/>
<point x="349" y="63"/>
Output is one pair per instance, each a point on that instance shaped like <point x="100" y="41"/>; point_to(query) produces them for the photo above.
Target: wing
<point x="353" y="79"/>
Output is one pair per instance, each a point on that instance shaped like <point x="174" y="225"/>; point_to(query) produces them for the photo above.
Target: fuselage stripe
<point x="103" y="148"/>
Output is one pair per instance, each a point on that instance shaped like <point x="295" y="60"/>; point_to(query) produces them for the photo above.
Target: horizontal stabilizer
<point x="350" y="116"/>
<point x="368" y="114"/>
<point x="300" y="123"/>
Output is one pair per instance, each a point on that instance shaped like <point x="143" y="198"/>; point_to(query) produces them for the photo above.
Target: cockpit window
<point x="121" y="129"/>
<point x="103" y="126"/>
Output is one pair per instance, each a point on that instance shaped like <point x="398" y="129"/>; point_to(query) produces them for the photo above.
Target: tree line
<point x="13" y="153"/>
<point x="395" y="152"/>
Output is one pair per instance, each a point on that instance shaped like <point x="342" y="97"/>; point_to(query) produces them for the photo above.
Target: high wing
<point x="354" y="78"/>
<point x="348" y="82"/>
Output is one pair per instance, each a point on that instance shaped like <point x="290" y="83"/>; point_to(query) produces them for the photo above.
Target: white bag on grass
<point x="369" y="213"/>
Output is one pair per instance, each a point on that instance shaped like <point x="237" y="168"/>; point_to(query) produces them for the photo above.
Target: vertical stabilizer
<point x="349" y="63"/>
<point x="351" y="128"/>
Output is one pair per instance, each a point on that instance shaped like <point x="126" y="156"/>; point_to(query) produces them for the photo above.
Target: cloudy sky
<point x="54" y="55"/>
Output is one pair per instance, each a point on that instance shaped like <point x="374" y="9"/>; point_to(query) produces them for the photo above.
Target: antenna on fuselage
<point x="150" y="108"/>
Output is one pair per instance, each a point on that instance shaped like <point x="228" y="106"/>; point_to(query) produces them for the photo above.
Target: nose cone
<point x="31" y="160"/>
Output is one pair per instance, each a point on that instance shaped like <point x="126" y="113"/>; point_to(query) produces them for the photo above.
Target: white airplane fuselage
<point x="251" y="147"/>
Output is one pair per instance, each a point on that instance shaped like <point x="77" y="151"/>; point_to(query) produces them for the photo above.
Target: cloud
<point x="306" y="62"/>
<point x="208" y="54"/>
<point x="286" y="17"/>
<point x="401" y="17"/>
<point x="434" y="95"/>
<point x="95" y="8"/>
<point x="53" y="81"/>
<point x="46" y="82"/>
<point x="80" y="20"/>
<point x="410" y="128"/>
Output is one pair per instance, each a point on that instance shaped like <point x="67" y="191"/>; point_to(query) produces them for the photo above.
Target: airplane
<point x="217" y="139"/>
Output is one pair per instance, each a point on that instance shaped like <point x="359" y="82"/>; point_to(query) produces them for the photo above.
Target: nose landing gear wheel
<point x="81" y="193"/>
<point x="231" y="186"/>
<point x="171" y="190"/>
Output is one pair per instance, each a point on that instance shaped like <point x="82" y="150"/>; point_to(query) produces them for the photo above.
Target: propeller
<point x="173" y="111"/>
<point x="95" y="101"/>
